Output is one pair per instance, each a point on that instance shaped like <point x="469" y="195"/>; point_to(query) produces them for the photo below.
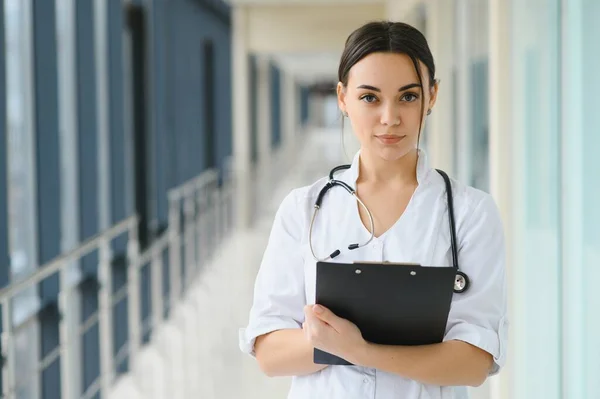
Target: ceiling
<point x="310" y="67"/>
<point x="303" y="37"/>
<point x="306" y="37"/>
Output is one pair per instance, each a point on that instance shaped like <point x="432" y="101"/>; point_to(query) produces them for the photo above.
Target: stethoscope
<point x="461" y="281"/>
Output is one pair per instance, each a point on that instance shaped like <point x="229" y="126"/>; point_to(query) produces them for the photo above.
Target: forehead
<point x="384" y="70"/>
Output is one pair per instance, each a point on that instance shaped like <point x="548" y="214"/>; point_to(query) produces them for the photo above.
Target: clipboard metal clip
<point x="387" y="263"/>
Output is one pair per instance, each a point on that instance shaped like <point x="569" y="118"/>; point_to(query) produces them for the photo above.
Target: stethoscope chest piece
<point x="461" y="282"/>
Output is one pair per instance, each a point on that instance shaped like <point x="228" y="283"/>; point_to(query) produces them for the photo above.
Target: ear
<point x="341" y="95"/>
<point x="433" y="93"/>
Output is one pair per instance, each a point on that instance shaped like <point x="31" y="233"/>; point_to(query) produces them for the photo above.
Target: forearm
<point x="285" y="353"/>
<point x="449" y="363"/>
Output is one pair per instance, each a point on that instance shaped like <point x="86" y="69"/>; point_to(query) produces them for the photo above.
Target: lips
<point x="389" y="139"/>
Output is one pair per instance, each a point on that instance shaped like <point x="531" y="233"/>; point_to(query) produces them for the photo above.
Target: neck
<point x="374" y="169"/>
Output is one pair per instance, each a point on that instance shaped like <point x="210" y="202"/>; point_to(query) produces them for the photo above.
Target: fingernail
<point x="318" y="309"/>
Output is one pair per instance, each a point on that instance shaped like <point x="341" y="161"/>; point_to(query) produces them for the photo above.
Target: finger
<point x="316" y="329"/>
<point x="307" y="308"/>
<point x="326" y="315"/>
<point x="310" y="316"/>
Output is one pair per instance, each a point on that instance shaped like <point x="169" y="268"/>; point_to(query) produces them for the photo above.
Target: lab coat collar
<point x="423" y="169"/>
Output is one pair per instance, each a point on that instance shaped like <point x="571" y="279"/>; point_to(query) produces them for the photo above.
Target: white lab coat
<point x="286" y="279"/>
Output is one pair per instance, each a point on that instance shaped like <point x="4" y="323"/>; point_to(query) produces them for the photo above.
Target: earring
<point x="429" y="112"/>
<point x="345" y="114"/>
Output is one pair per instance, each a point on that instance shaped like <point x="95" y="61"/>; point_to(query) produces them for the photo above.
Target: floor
<point x="237" y="375"/>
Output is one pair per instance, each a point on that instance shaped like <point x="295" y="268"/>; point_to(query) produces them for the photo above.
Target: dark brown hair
<point x="388" y="37"/>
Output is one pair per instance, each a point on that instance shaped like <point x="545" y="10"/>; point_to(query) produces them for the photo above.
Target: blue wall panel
<point x="87" y="119"/>
<point x="159" y="131"/>
<point x="120" y="335"/>
<point x="47" y="140"/>
<point x="48" y="177"/>
<point x="118" y="207"/>
<point x="145" y="301"/>
<point x="4" y="257"/>
<point x="189" y="24"/>
<point x="166" y="286"/>
<point x="304" y="104"/>
<point x="91" y="356"/>
<point x="253" y="99"/>
<point x="224" y="90"/>
<point x="115" y="111"/>
<point x="88" y="177"/>
<point x="50" y="385"/>
<point x="480" y="124"/>
<point x="275" y="106"/>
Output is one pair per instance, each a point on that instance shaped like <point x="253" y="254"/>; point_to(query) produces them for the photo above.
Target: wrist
<point x="360" y="354"/>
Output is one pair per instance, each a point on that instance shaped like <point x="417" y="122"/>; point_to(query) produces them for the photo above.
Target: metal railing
<point x="200" y="217"/>
<point x="266" y="177"/>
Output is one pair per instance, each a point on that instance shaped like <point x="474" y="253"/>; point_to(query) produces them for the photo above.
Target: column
<point x="463" y="88"/>
<point x="264" y="110"/>
<point x="4" y="258"/>
<point x="440" y="31"/>
<point x="501" y="168"/>
<point x="288" y="96"/>
<point x="105" y="277"/>
<point x="68" y="107"/>
<point x="316" y="110"/>
<point x="578" y="339"/>
<point x="241" y="116"/>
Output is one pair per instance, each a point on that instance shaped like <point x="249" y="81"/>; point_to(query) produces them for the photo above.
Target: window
<point x="21" y="186"/>
<point x="581" y="237"/>
<point x="537" y="275"/>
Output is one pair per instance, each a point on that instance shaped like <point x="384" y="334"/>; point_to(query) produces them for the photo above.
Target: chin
<point x="390" y="153"/>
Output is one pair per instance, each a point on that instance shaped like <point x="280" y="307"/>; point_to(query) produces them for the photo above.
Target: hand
<point x="332" y="334"/>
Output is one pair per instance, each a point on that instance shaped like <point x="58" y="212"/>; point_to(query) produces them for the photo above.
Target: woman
<point x="386" y="88"/>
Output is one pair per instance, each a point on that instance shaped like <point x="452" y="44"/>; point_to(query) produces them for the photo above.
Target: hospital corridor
<point x="150" y="150"/>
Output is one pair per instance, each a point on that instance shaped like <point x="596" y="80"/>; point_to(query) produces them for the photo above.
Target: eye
<point x="369" y="98"/>
<point x="410" y="97"/>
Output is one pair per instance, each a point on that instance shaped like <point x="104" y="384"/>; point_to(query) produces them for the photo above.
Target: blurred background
<point x="146" y="144"/>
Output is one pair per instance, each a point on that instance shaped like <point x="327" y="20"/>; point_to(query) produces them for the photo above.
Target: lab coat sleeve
<point x="479" y="316"/>
<point x="279" y="296"/>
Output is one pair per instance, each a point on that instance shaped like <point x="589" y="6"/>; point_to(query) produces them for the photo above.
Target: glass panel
<point x="479" y="122"/>
<point x="591" y="196"/>
<point x="537" y="274"/>
<point x="25" y="362"/>
<point x="20" y="140"/>
<point x="21" y="179"/>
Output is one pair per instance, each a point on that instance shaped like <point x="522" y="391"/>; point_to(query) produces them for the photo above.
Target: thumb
<point x="326" y="315"/>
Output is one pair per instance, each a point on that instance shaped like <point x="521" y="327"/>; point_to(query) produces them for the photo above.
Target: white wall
<point x="306" y="28"/>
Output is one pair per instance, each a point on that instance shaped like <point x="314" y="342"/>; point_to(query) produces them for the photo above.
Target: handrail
<point x="154" y="249"/>
<point x="190" y="238"/>
<point x="203" y="179"/>
<point x="55" y="265"/>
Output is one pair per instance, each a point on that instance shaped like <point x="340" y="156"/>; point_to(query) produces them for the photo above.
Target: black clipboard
<point x="392" y="304"/>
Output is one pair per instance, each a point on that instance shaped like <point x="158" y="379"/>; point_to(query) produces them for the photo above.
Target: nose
<point x="390" y="115"/>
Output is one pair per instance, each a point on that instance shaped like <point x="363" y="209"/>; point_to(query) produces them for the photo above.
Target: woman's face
<point x="383" y="102"/>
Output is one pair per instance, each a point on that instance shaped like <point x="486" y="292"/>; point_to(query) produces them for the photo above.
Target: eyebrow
<point x="408" y="86"/>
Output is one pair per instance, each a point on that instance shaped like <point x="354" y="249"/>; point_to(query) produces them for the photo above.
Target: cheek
<point x="412" y="115"/>
<point x="365" y="120"/>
